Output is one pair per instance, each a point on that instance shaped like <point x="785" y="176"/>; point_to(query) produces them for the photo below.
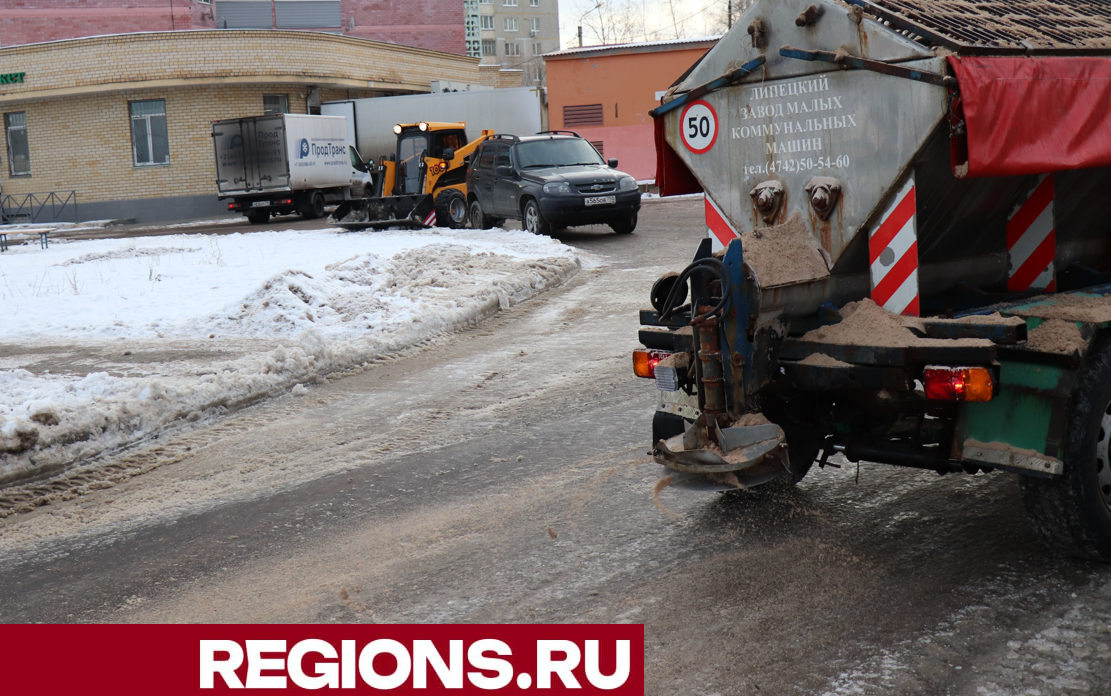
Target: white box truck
<point x="514" y="111"/>
<point x="284" y="163"/>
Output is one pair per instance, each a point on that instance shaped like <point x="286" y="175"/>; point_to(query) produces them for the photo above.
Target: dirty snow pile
<point x="299" y="304"/>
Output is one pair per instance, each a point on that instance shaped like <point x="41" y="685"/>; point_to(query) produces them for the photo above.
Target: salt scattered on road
<point x="328" y="299"/>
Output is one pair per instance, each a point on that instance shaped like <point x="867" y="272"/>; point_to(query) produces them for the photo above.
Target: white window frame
<point x="512" y="24"/>
<point x="534" y="3"/>
<point x="534" y="24"/>
<point x="509" y="3"/>
<point x="485" y="2"/>
<point x="150" y="140"/>
<point x="283" y="98"/>
<point x="492" y="44"/>
<point x="8" y="129"/>
<point x="516" y="47"/>
<point x="486" y="22"/>
<point x="537" y="48"/>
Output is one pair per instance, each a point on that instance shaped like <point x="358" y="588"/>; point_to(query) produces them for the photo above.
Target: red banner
<point x="1035" y="115"/>
<point x="395" y="659"/>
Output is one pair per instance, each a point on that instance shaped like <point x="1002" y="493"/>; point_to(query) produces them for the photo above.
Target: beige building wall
<point x="75" y="96"/>
<point x="86" y="146"/>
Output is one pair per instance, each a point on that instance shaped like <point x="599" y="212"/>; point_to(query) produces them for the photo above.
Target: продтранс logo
<point x="304" y="149"/>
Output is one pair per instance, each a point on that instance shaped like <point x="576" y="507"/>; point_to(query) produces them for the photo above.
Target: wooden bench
<point x="44" y="239"/>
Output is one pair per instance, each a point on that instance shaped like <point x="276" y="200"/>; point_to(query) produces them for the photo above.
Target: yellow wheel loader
<point x="423" y="185"/>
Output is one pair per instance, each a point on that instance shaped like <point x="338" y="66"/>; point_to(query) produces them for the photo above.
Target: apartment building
<point x="516" y="33"/>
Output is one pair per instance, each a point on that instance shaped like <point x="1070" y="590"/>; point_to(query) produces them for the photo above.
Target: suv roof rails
<point x="505" y="136"/>
<point x="559" y="132"/>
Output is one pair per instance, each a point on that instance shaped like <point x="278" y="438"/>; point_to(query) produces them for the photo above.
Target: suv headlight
<point x="627" y="183"/>
<point x="561" y="189"/>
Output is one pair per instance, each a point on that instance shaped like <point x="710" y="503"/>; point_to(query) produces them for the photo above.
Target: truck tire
<point x="533" y="221"/>
<point x="625" y="226"/>
<point x="451" y="209"/>
<point x="1072" y="513"/>
<point x="258" y="217"/>
<point x="313" y="208"/>
<point x="476" y="219"/>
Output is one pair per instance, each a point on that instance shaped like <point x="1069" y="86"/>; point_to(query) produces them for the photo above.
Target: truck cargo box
<point x="515" y="111"/>
<point x="281" y="152"/>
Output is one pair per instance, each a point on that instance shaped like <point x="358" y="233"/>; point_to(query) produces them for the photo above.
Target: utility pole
<point x="580" y="36"/>
<point x="729" y="16"/>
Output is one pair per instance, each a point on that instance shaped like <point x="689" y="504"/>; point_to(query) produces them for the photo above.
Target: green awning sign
<point x="11" y="78"/>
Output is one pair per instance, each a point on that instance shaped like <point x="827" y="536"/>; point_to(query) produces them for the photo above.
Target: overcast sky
<point x="652" y="17"/>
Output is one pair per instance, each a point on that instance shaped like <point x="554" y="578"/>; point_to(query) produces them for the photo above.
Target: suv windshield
<point x="560" y="152"/>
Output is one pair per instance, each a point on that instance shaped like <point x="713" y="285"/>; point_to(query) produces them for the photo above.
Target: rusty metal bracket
<point x="847" y="61"/>
<point x="725" y="80"/>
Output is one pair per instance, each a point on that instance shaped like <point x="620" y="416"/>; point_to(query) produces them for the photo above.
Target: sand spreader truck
<point x="908" y="258"/>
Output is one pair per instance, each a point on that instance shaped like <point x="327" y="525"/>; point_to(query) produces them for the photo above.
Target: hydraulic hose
<point x="711" y="266"/>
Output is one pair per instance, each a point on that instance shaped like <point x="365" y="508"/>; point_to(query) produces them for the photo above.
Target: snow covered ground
<point x="283" y="308"/>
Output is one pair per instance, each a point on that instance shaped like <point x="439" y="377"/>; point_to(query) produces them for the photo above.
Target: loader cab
<point x="418" y="140"/>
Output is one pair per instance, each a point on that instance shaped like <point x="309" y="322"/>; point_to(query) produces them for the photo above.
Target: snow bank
<point x="328" y="300"/>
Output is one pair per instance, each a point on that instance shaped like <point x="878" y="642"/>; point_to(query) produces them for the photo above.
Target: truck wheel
<point x="477" y="219"/>
<point x="314" y="207"/>
<point x="258" y="217"/>
<point x="534" y="221"/>
<point x="1072" y="513"/>
<point x="625" y="226"/>
<point x="451" y="209"/>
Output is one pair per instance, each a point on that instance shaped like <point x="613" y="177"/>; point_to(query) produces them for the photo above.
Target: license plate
<point x="600" y="200"/>
<point x="260" y="204"/>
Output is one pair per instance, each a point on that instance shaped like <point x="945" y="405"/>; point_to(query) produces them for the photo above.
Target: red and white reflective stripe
<point x="431" y="219"/>
<point x="893" y="254"/>
<point x="1032" y="241"/>
<point x="718" y="225"/>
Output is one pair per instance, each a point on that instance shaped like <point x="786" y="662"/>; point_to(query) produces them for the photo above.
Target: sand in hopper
<point x="784" y="254"/>
<point x="1056" y="336"/>
<point x="865" y="323"/>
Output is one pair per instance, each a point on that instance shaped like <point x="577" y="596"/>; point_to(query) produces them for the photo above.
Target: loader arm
<point x="437" y="167"/>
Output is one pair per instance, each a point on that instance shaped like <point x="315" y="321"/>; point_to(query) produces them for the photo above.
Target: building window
<point x="489" y="47"/>
<point x="488" y="22"/>
<point x="512" y="48"/>
<point x="534" y="26"/>
<point x="276" y="103"/>
<point x="485" y="2"/>
<point x="149" y="139"/>
<point x="537" y="49"/>
<point x="509" y="3"/>
<point x="512" y="24"/>
<point x="534" y="3"/>
<point x="582" y="115"/>
<point x="19" y="151"/>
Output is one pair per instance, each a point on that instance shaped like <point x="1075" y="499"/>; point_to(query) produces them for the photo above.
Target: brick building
<point x="604" y="93"/>
<point x="433" y="24"/>
<point x="32" y="21"/>
<point x="126" y="119"/>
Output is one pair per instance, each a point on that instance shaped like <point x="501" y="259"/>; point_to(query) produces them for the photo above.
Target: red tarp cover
<point x="673" y="177"/>
<point x="1035" y="115"/>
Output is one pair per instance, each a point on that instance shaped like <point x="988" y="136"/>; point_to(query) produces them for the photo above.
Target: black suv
<point x="548" y="180"/>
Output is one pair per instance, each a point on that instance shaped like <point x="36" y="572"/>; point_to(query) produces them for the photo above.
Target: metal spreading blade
<point x="737" y="448"/>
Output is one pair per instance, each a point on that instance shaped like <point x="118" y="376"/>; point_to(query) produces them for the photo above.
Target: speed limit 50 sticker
<point x="699" y="127"/>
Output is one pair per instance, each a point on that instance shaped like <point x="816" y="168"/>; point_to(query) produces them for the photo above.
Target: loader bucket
<point x="386" y="211"/>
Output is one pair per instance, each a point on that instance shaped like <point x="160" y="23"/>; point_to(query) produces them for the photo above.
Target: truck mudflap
<point x="414" y="211"/>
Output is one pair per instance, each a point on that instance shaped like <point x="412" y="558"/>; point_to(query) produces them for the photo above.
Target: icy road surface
<point x="283" y="307"/>
<point x="499" y="475"/>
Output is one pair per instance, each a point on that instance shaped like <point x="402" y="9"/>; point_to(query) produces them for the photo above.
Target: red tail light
<point x="645" y="361"/>
<point x="958" y="383"/>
